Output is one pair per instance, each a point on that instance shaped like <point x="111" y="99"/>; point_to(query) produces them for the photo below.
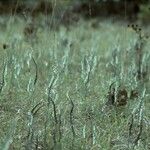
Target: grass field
<point x="75" y="88"/>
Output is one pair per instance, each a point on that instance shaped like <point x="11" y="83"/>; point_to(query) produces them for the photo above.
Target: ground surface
<point x="55" y="87"/>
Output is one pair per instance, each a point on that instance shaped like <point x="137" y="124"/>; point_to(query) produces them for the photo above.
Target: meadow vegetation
<point x="84" y="86"/>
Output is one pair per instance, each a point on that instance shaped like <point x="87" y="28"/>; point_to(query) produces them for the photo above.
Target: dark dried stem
<point x="36" y="108"/>
<point x="59" y="128"/>
<point x="36" y="71"/>
<point x="71" y="118"/>
<point x="3" y="78"/>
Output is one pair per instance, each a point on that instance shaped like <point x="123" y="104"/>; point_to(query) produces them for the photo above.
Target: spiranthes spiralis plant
<point x="136" y="123"/>
<point x="56" y="129"/>
<point x="88" y="65"/>
<point x="49" y="99"/>
<point x="71" y="119"/>
<point x="65" y="60"/>
<point x="30" y="139"/>
<point x="36" y="71"/>
<point x="115" y="62"/>
<point x="32" y="82"/>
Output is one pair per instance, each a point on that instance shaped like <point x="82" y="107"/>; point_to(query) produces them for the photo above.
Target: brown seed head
<point x="122" y="97"/>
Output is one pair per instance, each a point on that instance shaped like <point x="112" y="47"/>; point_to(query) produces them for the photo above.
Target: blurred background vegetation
<point x="130" y="10"/>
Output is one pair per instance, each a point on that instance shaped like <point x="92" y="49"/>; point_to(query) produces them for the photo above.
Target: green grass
<point x="79" y="64"/>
